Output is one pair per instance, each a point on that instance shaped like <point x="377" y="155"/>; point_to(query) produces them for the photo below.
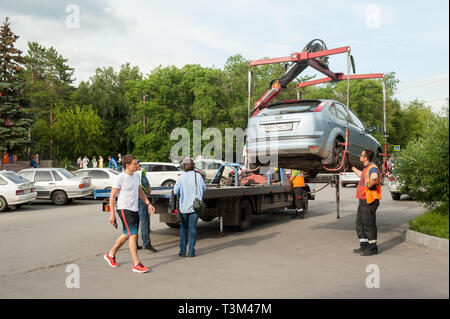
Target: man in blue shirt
<point x="112" y="163"/>
<point x="189" y="186"/>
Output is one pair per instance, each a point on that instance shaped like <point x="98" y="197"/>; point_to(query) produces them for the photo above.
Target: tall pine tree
<point x="14" y="116"/>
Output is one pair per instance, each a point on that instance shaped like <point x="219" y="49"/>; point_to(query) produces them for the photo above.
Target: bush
<point x="434" y="222"/>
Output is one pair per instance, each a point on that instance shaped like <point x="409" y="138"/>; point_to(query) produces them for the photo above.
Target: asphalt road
<point x="277" y="258"/>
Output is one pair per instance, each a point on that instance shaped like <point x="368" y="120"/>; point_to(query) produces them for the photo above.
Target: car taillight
<point x="20" y="192"/>
<point x="33" y="189"/>
<point x="320" y="106"/>
<point x="82" y="186"/>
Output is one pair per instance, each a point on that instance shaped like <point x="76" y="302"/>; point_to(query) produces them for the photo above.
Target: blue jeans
<point x="188" y="222"/>
<point x="144" y="222"/>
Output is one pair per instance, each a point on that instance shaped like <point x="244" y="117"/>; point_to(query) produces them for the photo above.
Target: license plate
<point x="278" y="127"/>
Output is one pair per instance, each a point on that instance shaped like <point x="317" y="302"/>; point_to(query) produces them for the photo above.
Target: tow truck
<point x="235" y="199"/>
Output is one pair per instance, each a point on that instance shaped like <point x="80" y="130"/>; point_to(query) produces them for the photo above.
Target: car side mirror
<point x="371" y="129"/>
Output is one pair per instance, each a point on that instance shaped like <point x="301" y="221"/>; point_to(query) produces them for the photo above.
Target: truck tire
<point x="245" y="216"/>
<point x="59" y="198"/>
<point x="396" y="196"/>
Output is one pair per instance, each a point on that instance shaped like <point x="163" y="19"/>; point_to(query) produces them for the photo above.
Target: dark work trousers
<point x="145" y="223"/>
<point x="366" y="221"/>
<point x="300" y="197"/>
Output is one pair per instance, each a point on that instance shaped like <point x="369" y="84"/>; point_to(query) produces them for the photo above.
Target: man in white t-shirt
<point x="127" y="186"/>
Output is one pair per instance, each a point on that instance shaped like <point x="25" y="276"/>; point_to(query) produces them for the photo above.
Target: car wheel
<point x="396" y="196"/>
<point x="337" y="150"/>
<point x="245" y="216"/>
<point x="59" y="198"/>
<point x="169" y="183"/>
<point x="3" y="204"/>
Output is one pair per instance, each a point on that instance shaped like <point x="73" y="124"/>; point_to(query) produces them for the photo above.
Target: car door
<point x="100" y="179"/>
<point x="341" y="114"/>
<point x="44" y="183"/>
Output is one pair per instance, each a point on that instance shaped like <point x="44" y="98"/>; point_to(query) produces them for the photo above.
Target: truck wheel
<point x="3" y="204"/>
<point x="305" y="207"/>
<point x="173" y="225"/>
<point x="245" y="216"/>
<point x="396" y="196"/>
<point x="59" y="198"/>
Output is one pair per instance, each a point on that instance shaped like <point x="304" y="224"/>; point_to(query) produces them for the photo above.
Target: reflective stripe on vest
<point x="140" y="180"/>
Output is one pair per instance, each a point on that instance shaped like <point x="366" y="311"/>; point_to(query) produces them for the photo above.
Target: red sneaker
<point x="110" y="260"/>
<point x="140" y="268"/>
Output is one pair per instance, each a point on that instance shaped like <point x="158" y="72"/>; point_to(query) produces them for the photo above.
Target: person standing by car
<point x="143" y="212"/>
<point x="189" y="186"/>
<point x="112" y="163"/>
<point x="33" y="162"/>
<point x="100" y="161"/>
<point x="297" y="180"/>
<point x="368" y="193"/>
<point x="127" y="185"/>
<point x="94" y="162"/>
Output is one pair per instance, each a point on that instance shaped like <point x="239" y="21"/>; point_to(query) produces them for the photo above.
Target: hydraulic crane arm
<point x="314" y="54"/>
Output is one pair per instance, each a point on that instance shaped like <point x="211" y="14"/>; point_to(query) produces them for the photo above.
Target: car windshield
<point x="283" y="108"/>
<point x="15" y="178"/>
<point x="66" y="173"/>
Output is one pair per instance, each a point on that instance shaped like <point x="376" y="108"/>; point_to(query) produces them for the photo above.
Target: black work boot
<point x="370" y="250"/>
<point x="362" y="246"/>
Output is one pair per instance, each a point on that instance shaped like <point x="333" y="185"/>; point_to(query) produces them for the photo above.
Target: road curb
<point x="440" y="244"/>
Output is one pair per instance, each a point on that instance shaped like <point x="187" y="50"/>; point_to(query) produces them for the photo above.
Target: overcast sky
<point x="407" y="37"/>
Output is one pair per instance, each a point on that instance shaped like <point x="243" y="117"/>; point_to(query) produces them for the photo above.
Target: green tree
<point x="14" y="116"/>
<point x="423" y="166"/>
<point x="49" y="80"/>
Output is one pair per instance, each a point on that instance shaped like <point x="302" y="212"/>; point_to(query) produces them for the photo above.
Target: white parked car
<point x="15" y="190"/>
<point x="101" y="178"/>
<point x="349" y="178"/>
<point x="210" y="167"/>
<point x="161" y="174"/>
<point x="57" y="184"/>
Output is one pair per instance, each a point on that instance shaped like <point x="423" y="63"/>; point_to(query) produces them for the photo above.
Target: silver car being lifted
<point x="57" y="184"/>
<point x="307" y="134"/>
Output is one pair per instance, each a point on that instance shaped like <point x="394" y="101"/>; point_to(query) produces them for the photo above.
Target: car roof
<point x="41" y="169"/>
<point x="296" y="101"/>
<point x="159" y="163"/>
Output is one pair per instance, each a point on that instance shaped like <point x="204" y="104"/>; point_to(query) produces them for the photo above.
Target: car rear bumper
<point x="283" y="146"/>
<point x="80" y="193"/>
<point x="21" y="199"/>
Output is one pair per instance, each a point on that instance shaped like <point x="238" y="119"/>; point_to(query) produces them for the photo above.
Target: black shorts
<point x="130" y="221"/>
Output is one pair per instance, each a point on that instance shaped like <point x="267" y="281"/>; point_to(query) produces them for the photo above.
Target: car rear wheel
<point x="59" y="198"/>
<point x="3" y="204"/>
<point x="338" y="150"/>
<point x="168" y="183"/>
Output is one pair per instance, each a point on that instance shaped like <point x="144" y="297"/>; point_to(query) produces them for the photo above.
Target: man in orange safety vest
<point x="368" y="193"/>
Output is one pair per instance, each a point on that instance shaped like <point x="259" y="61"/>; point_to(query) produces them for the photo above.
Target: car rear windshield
<point x="66" y="173"/>
<point x="15" y="178"/>
<point x="288" y="108"/>
<point x="114" y="172"/>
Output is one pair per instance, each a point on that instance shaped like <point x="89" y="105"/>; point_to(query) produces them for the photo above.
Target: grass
<point x="434" y="222"/>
